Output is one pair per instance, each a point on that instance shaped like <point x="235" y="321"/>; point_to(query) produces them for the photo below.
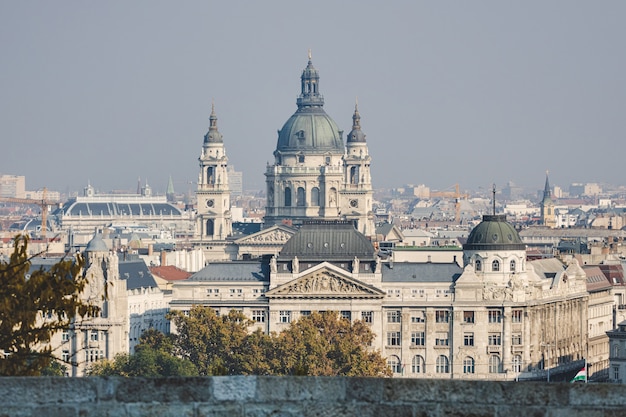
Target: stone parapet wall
<point x="239" y="396"/>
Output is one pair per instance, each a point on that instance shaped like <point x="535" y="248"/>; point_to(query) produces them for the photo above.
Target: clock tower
<point x="213" y="221"/>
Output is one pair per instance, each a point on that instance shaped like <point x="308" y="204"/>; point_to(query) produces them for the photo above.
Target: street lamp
<point x="548" y="345"/>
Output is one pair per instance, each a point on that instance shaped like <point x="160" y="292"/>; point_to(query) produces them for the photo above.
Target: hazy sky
<point x="468" y="92"/>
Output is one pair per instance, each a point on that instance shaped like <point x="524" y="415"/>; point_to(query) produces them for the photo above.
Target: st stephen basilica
<point x="485" y="312"/>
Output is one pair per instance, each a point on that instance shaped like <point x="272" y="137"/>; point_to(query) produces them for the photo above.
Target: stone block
<point x="277" y="409"/>
<point x="234" y="388"/>
<point x="535" y="394"/>
<point x="161" y="410"/>
<point x="220" y="410"/>
<point x="364" y="389"/>
<point x="599" y="395"/>
<point x="357" y="410"/>
<point x="164" y="390"/>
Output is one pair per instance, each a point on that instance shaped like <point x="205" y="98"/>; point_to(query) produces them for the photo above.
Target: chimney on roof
<point x="163" y="258"/>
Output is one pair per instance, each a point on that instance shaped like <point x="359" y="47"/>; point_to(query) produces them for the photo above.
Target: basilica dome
<point x="310" y="129"/>
<point x="494" y="233"/>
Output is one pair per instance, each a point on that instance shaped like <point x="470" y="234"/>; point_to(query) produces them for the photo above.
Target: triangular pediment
<point x="324" y="283"/>
<point x="272" y="236"/>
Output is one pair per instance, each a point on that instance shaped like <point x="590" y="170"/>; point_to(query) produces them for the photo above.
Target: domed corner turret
<point x="494" y="233"/>
<point x="356" y="135"/>
<point x="213" y="135"/>
<point x="96" y="244"/>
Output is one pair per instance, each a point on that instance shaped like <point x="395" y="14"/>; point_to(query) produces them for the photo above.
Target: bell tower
<point x="213" y="221"/>
<point x="357" y="193"/>
<point x="548" y="216"/>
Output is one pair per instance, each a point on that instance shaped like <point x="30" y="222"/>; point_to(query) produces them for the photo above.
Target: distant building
<point x="548" y="215"/>
<point x="617" y="352"/>
<point x="235" y="181"/>
<point x="12" y="186"/>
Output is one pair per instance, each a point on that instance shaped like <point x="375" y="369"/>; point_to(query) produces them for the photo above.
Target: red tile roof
<point x="169" y="273"/>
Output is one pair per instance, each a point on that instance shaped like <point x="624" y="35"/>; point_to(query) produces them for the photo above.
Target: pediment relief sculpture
<point x="324" y="284"/>
<point x="274" y="236"/>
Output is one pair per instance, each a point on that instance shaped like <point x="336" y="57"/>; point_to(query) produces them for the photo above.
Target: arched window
<point x="300" y="199"/>
<point x="479" y="265"/>
<point x="495" y="266"/>
<point x="394" y="364"/>
<point x="315" y="196"/>
<point x="616" y="351"/>
<point x="210" y="227"/>
<point x="513" y="265"/>
<point x="517" y="363"/>
<point x="210" y="175"/>
<point x="442" y="365"/>
<point x="287" y="197"/>
<point x="417" y="365"/>
<point x="495" y="365"/>
<point x="468" y="365"/>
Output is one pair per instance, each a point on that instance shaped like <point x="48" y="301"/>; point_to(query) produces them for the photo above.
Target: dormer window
<point x="300" y="134"/>
<point x="479" y="265"/>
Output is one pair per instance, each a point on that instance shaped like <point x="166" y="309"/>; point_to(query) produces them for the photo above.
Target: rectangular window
<point x="468" y="339"/>
<point x="66" y="356"/>
<point x="258" y="316"/>
<point x="367" y="316"/>
<point x="65" y="336"/>
<point x="516" y="340"/>
<point x="394" y="316"/>
<point x="216" y="291"/>
<point x="442" y="316"/>
<point x="93" y="336"/>
<point x="495" y="316"/>
<point x="284" y="316"/>
<point x="232" y="291"/>
<point x="393" y="339"/>
<point x="616" y="373"/>
<point x="441" y="339"/>
<point x="516" y="316"/>
<point x="418" y="339"/>
<point x="417" y="317"/>
<point x="495" y="339"/>
<point x="305" y="313"/>
<point x="468" y="317"/>
<point x="346" y="315"/>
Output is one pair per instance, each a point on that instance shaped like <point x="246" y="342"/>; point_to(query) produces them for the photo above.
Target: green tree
<point x="212" y="343"/>
<point x="34" y="305"/>
<point x="324" y="344"/>
<point x="153" y="357"/>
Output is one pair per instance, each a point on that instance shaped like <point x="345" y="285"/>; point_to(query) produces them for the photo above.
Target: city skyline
<point x="448" y="93"/>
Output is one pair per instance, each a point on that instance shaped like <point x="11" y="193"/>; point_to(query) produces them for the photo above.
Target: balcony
<point x="494" y="349"/>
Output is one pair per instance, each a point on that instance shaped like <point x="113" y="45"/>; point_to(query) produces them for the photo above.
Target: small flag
<point x="581" y="375"/>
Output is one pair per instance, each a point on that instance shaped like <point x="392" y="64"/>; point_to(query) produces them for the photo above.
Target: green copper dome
<point x="494" y="233"/>
<point x="310" y="129"/>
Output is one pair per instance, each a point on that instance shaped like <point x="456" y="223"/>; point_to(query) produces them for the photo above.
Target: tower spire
<point x="310" y="80"/>
<point x="547" y="193"/>
<point x="213" y="135"/>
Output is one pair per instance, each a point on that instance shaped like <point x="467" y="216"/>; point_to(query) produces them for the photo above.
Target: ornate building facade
<point x="314" y="176"/>
<point x="496" y="317"/>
